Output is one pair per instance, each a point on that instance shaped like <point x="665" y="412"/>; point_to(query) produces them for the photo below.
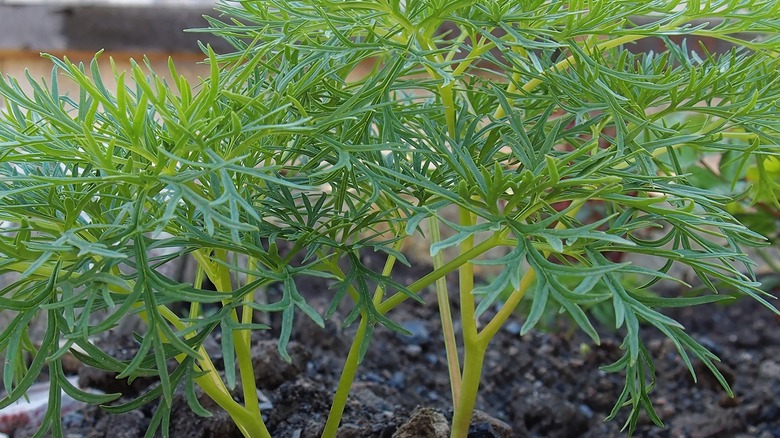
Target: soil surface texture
<point x="543" y="384"/>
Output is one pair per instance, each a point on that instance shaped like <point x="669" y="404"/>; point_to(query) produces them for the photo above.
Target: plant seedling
<point x="283" y="164"/>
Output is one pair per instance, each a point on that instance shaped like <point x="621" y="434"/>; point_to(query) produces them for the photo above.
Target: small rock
<point x="271" y="370"/>
<point x="769" y="412"/>
<point x="373" y="377"/>
<point x="424" y="422"/>
<point x="419" y="332"/>
<point x="714" y="423"/>
<point x="585" y="409"/>
<point x="349" y="430"/>
<point x="397" y="380"/>
<point x="544" y="413"/>
<point x="302" y="395"/>
<point x="654" y="345"/>
<point x="387" y="431"/>
<point x="481" y="430"/>
<point x="744" y="356"/>
<point x="413" y="350"/>
<point x="769" y="369"/>
<point x="133" y="424"/>
<point x="72" y="420"/>
<point x="486" y="426"/>
<point x="513" y="327"/>
<point x="365" y="394"/>
<point x="265" y="402"/>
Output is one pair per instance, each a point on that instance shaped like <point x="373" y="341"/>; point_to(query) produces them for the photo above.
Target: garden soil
<point x="542" y="384"/>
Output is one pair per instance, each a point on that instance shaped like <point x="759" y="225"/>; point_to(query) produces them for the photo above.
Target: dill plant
<point x="281" y="165"/>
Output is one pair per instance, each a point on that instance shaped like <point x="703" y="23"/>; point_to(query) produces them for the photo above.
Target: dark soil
<point x="540" y="385"/>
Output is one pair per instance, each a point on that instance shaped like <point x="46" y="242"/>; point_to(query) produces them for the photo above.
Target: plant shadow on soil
<point x="540" y="384"/>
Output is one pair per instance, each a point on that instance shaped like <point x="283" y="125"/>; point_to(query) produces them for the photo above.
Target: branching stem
<point x="353" y="357"/>
<point x="219" y="274"/>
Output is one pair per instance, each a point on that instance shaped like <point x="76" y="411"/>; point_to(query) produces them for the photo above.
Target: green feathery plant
<point x="282" y="164"/>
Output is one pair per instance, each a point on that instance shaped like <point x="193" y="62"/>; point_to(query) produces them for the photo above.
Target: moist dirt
<point x="542" y="384"/>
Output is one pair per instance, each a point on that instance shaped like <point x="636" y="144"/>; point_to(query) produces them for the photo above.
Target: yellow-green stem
<point x="474" y="351"/>
<point x="445" y="315"/>
<point x="219" y="274"/>
<point x="448" y="102"/>
<point x="528" y="278"/>
<point x="246" y="309"/>
<point x="242" y="344"/>
<point x="466" y="282"/>
<point x="379" y="293"/>
<point x="197" y="284"/>
<point x="251" y="425"/>
<point x="508" y="308"/>
<point x="476" y="345"/>
<point x="431" y="277"/>
<point x="353" y="357"/>
<point x="475" y="53"/>
<point x="473" y="359"/>
<point x="345" y="382"/>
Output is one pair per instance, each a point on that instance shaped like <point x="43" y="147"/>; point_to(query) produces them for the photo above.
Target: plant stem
<point x="251" y="425"/>
<point x="476" y="343"/>
<point x="445" y="315"/>
<point x="219" y="274"/>
<point x="246" y="310"/>
<point x="473" y="359"/>
<point x="345" y="381"/>
<point x="353" y="358"/>
<point x="379" y="293"/>
<point x="490" y="330"/>
<point x="242" y="344"/>
<point x="436" y="274"/>
<point x="525" y="283"/>
<point x="474" y="350"/>
<point x="466" y="282"/>
<point x="448" y="102"/>
<point x="474" y="54"/>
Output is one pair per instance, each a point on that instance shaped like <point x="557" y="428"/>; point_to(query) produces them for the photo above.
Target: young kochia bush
<point x="286" y="163"/>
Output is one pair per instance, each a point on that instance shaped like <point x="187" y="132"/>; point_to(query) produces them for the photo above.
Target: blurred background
<point x="124" y="29"/>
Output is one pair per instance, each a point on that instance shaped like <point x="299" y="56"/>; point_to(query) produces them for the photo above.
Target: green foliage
<point x="283" y="164"/>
